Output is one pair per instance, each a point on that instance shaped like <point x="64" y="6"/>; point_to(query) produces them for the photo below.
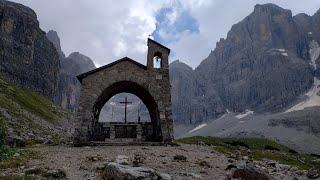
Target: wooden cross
<point x="125" y="109"/>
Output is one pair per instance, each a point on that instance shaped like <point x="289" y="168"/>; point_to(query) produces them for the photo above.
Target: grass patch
<point x="251" y="143"/>
<point x="56" y="139"/>
<point x="11" y="157"/>
<point x="32" y="142"/>
<point x="260" y="149"/>
<point x="6" y="153"/>
<point x="12" y="97"/>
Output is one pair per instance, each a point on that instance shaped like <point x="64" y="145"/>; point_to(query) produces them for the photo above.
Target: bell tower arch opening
<point x="157" y="60"/>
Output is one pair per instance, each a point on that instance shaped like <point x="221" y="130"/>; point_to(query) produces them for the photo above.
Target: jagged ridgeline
<point x="267" y="61"/>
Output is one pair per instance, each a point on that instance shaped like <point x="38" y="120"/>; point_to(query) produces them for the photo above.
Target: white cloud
<point x="108" y="30"/>
<point x="191" y="48"/>
<point x="103" y="30"/>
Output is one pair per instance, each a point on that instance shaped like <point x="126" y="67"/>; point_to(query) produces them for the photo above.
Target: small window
<point x="157" y="58"/>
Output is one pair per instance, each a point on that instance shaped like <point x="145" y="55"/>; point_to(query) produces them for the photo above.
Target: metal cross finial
<point x="149" y="35"/>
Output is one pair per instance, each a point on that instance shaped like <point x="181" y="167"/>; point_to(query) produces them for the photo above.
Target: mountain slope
<point x="26" y="115"/>
<point x="299" y="129"/>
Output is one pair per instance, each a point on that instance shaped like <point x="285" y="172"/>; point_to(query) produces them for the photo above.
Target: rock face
<point x="27" y="57"/>
<point x="263" y="65"/>
<point x="71" y="66"/>
<point x="69" y="85"/>
<point x="54" y="38"/>
<point x="183" y="87"/>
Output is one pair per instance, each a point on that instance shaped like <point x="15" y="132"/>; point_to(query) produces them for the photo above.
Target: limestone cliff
<point x="263" y="65"/>
<point x="69" y="85"/>
<point x="27" y="57"/>
<point x="71" y="66"/>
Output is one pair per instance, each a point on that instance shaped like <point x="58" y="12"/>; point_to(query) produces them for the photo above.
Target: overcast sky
<point x="107" y="30"/>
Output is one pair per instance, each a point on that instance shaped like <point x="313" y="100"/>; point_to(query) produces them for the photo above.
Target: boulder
<point x="249" y="173"/>
<point x="121" y="170"/>
<point x="115" y="171"/>
<point x="15" y="142"/>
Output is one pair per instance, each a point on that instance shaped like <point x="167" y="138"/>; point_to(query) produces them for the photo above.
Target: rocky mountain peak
<point x="22" y="9"/>
<point x="84" y="62"/>
<point x="54" y="38"/>
<point x="270" y="8"/>
<point x="180" y="65"/>
<point x="268" y="26"/>
<point x="316" y="16"/>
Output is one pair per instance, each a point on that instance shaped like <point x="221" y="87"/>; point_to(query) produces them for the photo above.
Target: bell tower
<point x="158" y="55"/>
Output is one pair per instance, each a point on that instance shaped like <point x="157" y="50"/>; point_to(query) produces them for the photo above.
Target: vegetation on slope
<point x="260" y="149"/>
<point x="26" y="114"/>
<point x="14" y="98"/>
<point x="13" y="157"/>
<point x="24" y="111"/>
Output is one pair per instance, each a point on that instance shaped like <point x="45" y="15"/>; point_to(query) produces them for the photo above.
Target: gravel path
<point x="78" y="162"/>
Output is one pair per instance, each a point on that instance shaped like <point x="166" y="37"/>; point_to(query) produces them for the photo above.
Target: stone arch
<point x="151" y="85"/>
<point x="133" y="88"/>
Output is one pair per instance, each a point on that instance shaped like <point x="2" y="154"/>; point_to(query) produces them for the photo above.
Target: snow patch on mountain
<point x="312" y="100"/>
<point x="281" y="50"/>
<point x="198" y="127"/>
<point x="244" y="114"/>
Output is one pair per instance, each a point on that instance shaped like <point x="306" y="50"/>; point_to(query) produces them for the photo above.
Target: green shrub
<point x="238" y="143"/>
<point x="293" y="151"/>
<point x="2" y="137"/>
<point x="315" y="155"/>
<point x="271" y="148"/>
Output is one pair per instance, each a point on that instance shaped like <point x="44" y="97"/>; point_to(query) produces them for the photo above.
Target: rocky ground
<point x="168" y="162"/>
<point x="83" y="162"/>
